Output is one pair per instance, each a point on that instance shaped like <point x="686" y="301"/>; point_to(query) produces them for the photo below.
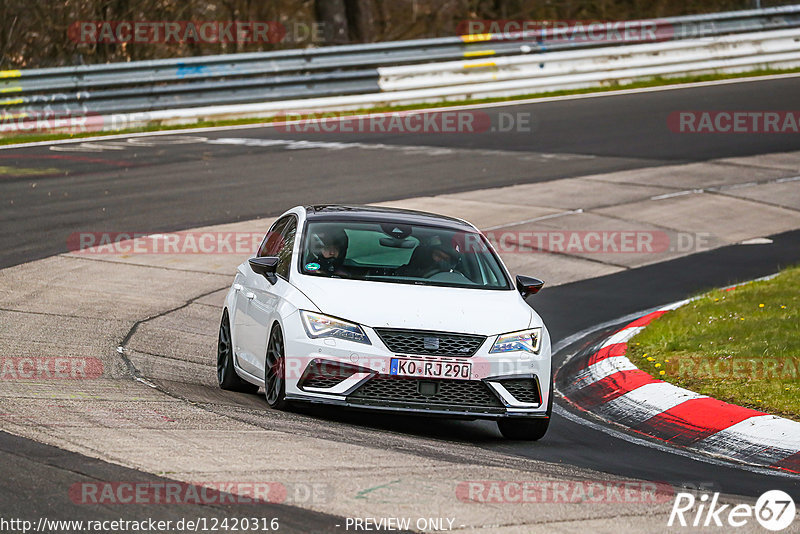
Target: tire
<point x="523" y="430"/>
<point x="275" y="371"/>
<point x="226" y="374"/>
<point x="527" y="429"/>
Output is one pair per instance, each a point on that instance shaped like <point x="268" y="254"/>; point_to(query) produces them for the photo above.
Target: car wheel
<point x="226" y="374"/>
<point x="275" y="371"/>
<point x="527" y="430"/>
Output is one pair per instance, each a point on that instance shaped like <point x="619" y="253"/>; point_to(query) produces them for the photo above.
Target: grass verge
<point x="654" y="82"/>
<point x="741" y="345"/>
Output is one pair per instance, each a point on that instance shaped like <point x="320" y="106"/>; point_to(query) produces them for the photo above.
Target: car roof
<point x="380" y="214"/>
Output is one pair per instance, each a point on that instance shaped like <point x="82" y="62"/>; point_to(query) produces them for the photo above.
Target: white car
<point x="387" y="310"/>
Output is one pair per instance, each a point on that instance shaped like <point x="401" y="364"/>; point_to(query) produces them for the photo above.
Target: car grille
<point x="523" y="389"/>
<point x="463" y="393"/>
<point x="431" y="343"/>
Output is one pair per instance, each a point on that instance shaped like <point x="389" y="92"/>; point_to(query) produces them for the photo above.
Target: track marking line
<point x="757" y="241"/>
<point x="678" y="194"/>
<point x="294" y="144"/>
<point x="729" y="187"/>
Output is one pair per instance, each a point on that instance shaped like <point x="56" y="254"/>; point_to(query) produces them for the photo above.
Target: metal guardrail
<point x="554" y="69"/>
<point x="341" y="71"/>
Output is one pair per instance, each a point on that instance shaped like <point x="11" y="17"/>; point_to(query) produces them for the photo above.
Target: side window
<point x="285" y="254"/>
<point x="272" y="241"/>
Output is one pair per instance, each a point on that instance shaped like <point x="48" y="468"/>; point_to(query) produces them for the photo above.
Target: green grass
<point x="741" y="346"/>
<point x="9" y="139"/>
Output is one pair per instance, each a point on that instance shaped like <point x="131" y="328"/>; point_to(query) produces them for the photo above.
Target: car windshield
<point x="400" y="253"/>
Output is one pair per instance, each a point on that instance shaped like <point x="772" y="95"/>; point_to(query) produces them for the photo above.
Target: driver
<point x="444" y="259"/>
<point x="428" y="260"/>
<point x="328" y="249"/>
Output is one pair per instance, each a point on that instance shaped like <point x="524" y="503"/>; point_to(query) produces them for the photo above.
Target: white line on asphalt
<point x="177" y="140"/>
<point x="733" y="186"/>
<point x="290" y="144"/>
<point x="757" y="241"/>
<point x="728" y="187"/>
<point x="87" y="147"/>
<point x="130" y="143"/>
<point x="678" y="194"/>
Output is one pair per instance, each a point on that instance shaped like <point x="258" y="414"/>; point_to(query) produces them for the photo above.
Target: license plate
<point x="430" y="368"/>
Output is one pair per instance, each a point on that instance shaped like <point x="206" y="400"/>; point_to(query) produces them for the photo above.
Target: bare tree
<point x="41" y="33"/>
<point x="333" y="17"/>
<point x="361" y="20"/>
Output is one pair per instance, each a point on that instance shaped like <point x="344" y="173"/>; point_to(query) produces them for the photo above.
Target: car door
<point x="262" y="297"/>
<point x="242" y="319"/>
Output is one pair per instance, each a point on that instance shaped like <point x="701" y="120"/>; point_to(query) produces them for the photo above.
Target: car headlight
<point x="318" y="325"/>
<point x="524" y="340"/>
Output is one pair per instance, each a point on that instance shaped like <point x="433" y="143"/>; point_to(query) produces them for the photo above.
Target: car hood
<point x="445" y="309"/>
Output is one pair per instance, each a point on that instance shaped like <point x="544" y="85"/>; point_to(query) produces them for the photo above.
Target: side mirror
<point x="528" y="286"/>
<point x="265" y="267"/>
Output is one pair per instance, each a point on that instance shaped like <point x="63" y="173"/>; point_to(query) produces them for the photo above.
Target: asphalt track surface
<point x="175" y="186"/>
<point x="160" y="187"/>
<point x="37" y="478"/>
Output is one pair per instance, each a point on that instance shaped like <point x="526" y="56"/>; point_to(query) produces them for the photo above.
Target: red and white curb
<point x="607" y="384"/>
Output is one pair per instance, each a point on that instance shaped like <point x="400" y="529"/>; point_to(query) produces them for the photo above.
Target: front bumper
<point x="499" y="386"/>
<point x="422" y="409"/>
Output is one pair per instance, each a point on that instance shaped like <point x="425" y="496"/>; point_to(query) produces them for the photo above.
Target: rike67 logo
<point x="774" y="510"/>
